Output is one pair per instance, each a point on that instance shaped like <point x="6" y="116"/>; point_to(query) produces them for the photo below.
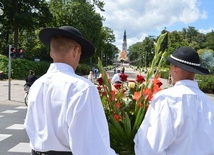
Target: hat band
<point x="183" y="61"/>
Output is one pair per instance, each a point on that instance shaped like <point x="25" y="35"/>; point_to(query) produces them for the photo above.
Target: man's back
<point x="62" y="104"/>
<point x="181" y="122"/>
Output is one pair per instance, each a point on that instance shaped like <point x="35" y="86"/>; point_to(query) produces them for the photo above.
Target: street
<point x="13" y="137"/>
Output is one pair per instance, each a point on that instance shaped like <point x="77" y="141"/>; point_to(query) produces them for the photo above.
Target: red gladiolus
<point x="100" y="81"/>
<point x="117" y="105"/>
<point x="117" y="85"/>
<point x="147" y="106"/>
<point x="156" y="88"/>
<point x="136" y="96"/>
<point x="140" y="105"/>
<point x="140" y="78"/>
<point x="123" y="77"/>
<point x="112" y="95"/>
<point x="104" y="93"/>
<point x="148" y="93"/>
<point x="99" y="87"/>
<point x="157" y="82"/>
<point x="117" y="117"/>
<point x="157" y="76"/>
<point x="132" y="81"/>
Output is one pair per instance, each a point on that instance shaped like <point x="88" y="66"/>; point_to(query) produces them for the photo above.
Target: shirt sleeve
<point x="87" y="124"/>
<point x="156" y="132"/>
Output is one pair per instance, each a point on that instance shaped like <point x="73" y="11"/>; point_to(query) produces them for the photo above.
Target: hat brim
<point x="87" y="47"/>
<point x="190" y="68"/>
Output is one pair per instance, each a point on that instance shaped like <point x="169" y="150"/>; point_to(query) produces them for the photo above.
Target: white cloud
<point x="141" y="17"/>
<point x="204" y="31"/>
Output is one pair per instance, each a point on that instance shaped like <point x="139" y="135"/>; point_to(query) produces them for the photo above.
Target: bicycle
<point x="26" y="89"/>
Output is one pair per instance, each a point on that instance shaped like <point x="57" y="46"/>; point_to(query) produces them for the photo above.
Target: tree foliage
<point x="21" y="17"/>
<point x="173" y="40"/>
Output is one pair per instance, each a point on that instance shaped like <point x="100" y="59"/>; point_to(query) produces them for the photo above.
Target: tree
<point x="109" y="52"/>
<point x="105" y="46"/>
<point x="79" y="14"/>
<point x="21" y="17"/>
<point x="176" y="40"/>
<point x="135" y="55"/>
<point x="164" y="45"/>
<point x="190" y="34"/>
<point x="82" y="15"/>
<point x="148" y="50"/>
<point x="209" y="41"/>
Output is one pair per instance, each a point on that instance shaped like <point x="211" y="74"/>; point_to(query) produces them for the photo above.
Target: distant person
<point x="116" y="77"/>
<point x="96" y="73"/>
<point x="65" y="115"/>
<point x="115" y="70"/>
<point x="123" y="70"/>
<point x="100" y="75"/>
<point x="30" y="79"/>
<point x="180" y="119"/>
<point x="91" y="76"/>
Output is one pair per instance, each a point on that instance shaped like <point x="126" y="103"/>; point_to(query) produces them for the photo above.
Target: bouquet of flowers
<point x="125" y="104"/>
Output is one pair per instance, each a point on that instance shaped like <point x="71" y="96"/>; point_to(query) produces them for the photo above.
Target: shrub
<point x="164" y="73"/>
<point x="206" y="83"/>
<point x="20" y="67"/>
<point x="82" y="69"/>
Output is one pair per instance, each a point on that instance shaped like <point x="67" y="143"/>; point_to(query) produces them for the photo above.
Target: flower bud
<point x="131" y="84"/>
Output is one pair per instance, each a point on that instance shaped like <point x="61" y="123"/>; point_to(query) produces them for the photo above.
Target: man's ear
<point x="76" y="51"/>
<point x="51" y="54"/>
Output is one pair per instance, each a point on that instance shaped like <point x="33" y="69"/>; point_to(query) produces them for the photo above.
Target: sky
<point x="141" y="18"/>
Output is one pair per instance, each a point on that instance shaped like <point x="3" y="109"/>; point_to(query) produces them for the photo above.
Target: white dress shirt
<point x="179" y="121"/>
<point x="115" y="78"/>
<point x="65" y="114"/>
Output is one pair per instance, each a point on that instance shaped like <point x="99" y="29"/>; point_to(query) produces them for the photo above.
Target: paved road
<point x="13" y="138"/>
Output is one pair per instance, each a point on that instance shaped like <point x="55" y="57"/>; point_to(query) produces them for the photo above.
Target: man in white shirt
<point x="65" y="114"/>
<point x="179" y="120"/>
<point x="116" y="77"/>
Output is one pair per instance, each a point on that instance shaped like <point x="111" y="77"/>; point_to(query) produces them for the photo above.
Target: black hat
<point x="187" y="59"/>
<point x="70" y="32"/>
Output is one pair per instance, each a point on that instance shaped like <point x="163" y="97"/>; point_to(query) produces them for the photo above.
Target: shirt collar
<point x="187" y="83"/>
<point x="60" y="67"/>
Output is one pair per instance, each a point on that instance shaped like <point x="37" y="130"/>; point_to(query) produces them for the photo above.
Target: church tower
<point x="123" y="53"/>
<point x="124" y="45"/>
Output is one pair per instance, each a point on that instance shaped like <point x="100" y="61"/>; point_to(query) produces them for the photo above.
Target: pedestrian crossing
<point x="13" y="137"/>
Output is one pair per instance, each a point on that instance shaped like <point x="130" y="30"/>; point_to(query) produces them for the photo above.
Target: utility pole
<point x="9" y="71"/>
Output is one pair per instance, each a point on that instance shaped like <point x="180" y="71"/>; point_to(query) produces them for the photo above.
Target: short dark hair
<point x="31" y="72"/>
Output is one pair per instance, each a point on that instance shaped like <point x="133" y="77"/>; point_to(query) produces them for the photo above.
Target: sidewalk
<point x="16" y="93"/>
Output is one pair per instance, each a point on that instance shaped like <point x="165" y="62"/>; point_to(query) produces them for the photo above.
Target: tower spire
<point x="124" y="46"/>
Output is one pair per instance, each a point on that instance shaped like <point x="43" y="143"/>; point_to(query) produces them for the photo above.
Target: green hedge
<point x="20" y="68"/>
<point x="164" y="73"/>
<point x="82" y="69"/>
<point x="206" y="83"/>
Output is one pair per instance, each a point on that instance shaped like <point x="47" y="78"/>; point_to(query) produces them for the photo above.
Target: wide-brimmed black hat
<point x="187" y="59"/>
<point x="70" y="32"/>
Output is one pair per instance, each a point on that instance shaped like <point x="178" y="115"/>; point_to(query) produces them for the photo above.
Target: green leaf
<point x="127" y="125"/>
<point x="117" y="125"/>
<point x="138" y="119"/>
